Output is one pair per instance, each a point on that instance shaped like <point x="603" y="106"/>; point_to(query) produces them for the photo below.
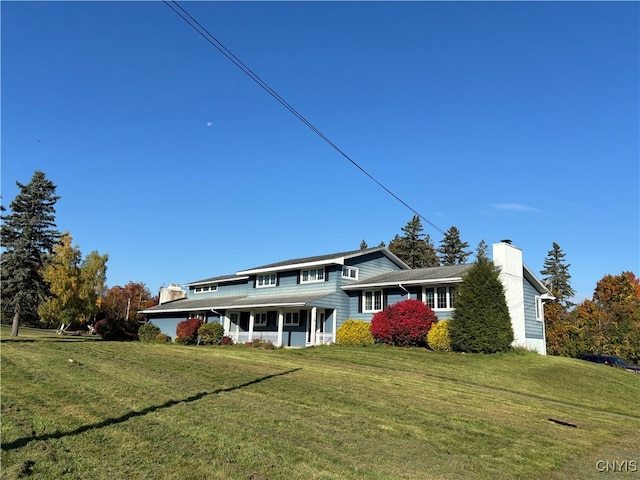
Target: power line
<point x="204" y="33"/>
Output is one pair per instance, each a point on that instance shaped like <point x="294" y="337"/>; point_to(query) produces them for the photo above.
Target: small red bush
<point x="404" y="324"/>
<point x="187" y="330"/>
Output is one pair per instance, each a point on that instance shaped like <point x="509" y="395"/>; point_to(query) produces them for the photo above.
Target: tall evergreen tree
<point x="452" y="250"/>
<point x="481" y="250"/>
<point x="481" y="322"/>
<point x="28" y="236"/>
<point x="556" y="276"/>
<point x="363" y="245"/>
<point x="414" y="248"/>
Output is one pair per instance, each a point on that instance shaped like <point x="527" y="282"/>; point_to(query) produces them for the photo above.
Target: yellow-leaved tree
<point x="75" y="284"/>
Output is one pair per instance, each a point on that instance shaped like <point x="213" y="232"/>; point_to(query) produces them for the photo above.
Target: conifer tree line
<point x="608" y="324"/>
<point x="45" y="280"/>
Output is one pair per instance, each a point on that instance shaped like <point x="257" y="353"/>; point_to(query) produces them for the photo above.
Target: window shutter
<point x="277" y="279"/>
<point x="326" y="274"/>
<point x="384" y="299"/>
<point x="360" y="302"/>
<point x="298" y="277"/>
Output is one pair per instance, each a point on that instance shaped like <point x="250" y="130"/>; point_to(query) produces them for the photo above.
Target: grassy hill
<point x="86" y="409"/>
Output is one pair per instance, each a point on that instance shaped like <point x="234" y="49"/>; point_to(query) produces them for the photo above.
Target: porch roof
<point x="238" y="302"/>
<point x="416" y="276"/>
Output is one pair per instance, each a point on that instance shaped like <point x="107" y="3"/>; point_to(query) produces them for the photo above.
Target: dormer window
<point x="350" y="272"/>
<point x="310" y="276"/>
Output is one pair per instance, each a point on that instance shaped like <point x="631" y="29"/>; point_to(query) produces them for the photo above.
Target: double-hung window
<point x="269" y="280"/>
<point x="440" y="298"/>
<point x="350" y="272"/>
<point x="260" y="319"/>
<point x="310" y="276"/>
<point x="372" y="301"/>
<point x="539" y="314"/>
<point x="292" y="318"/>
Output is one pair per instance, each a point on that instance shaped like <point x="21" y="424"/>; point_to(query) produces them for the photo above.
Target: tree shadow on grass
<point x="21" y="442"/>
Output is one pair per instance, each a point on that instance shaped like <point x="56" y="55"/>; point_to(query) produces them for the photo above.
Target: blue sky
<point x="508" y="120"/>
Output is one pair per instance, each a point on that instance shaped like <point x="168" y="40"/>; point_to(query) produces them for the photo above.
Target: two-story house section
<point x="302" y="302"/>
<point x="297" y="302"/>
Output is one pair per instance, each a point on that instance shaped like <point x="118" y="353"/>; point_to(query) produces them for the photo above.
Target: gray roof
<point x="221" y="279"/>
<point x="414" y="276"/>
<point x="221" y="303"/>
<point x="328" y="258"/>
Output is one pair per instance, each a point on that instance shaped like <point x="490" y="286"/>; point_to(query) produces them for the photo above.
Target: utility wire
<point x="204" y="33"/>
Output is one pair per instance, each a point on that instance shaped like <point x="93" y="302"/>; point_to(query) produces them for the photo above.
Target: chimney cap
<point x="506" y="240"/>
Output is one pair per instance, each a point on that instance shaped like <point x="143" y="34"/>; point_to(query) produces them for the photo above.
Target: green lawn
<point x="81" y="408"/>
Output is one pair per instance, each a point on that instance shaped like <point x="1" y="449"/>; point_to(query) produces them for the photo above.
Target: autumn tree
<point x="75" y="284"/>
<point x="414" y="247"/>
<point x="555" y="275"/>
<point x="613" y="316"/>
<point x="452" y="250"/>
<point x="481" y="322"/>
<point x="28" y="236"/>
<point x="124" y="302"/>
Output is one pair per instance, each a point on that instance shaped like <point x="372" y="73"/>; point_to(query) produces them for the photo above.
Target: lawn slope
<point x="87" y="409"/>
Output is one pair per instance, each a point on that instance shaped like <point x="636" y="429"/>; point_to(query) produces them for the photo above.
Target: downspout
<point x="408" y="293"/>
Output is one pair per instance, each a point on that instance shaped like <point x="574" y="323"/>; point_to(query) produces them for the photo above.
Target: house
<point x="302" y="302"/>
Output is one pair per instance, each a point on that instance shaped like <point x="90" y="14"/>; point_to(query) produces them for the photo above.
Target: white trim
<point x="265" y="277"/>
<point x="293" y="266"/>
<point x="350" y="268"/>
<point x="217" y="281"/>
<point x="317" y="278"/>
<point x="436" y="281"/>
<point x="373" y="308"/>
<point x="280" y="327"/>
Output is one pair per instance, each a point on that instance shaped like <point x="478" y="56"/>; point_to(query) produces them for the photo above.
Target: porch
<point x="283" y="327"/>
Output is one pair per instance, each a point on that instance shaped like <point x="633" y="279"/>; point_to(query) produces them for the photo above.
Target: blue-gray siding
<point x="533" y="328"/>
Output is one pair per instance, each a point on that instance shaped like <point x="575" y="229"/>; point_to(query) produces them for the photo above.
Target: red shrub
<point x="187" y="330"/>
<point x="404" y="323"/>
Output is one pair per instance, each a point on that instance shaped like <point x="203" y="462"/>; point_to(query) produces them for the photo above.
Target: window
<point x="350" y="272"/>
<point x="309" y="276"/>
<point x="292" y="318"/>
<point x="429" y="298"/>
<point x="209" y="288"/>
<point x="260" y="319"/>
<point x="372" y="301"/>
<point x="269" y="280"/>
<point x="538" y="301"/>
<point x="440" y="298"/>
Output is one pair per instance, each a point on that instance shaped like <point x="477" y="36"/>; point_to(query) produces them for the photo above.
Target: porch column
<point x="314" y="312"/>
<point x="227" y="324"/>
<point x="251" y="323"/>
<point x="280" y="327"/>
<point x="335" y="324"/>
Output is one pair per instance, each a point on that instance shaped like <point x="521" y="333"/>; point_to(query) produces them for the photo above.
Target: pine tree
<point x="28" y="236"/>
<point x="414" y="248"/>
<point x="556" y="276"/>
<point x="481" y="322"/>
<point x="481" y="250"/>
<point x="363" y="245"/>
<point x="453" y="251"/>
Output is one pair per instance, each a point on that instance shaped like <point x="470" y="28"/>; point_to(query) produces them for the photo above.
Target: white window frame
<point x="539" y="308"/>
<point x="292" y="319"/>
<point x="260" y="319"/>
<point x="208" y="288"/>
<point x="267" y="280"/>
<point x="375" y="306"/>
<point x="313" y="275"/>
<point x="350" y="272"/>
<point x="449" y="295"/>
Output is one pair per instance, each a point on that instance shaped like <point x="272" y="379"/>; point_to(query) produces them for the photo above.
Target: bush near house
<point x="354" y="332"/>
<point x="148" y="332"/>
<point x="187" y="331"/>
<point x="438" y="337"/>
<point x="404" y="324"/>
<point x="211" y="333"/>
<point x="162" y="338"/>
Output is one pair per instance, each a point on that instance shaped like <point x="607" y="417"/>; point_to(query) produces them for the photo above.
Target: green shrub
<point x="438" y="337"/>
<point x="148" y="332"/>
<point x="355" y="332"/>
<point x="162" y="338"/>
<point x="211" y="333"/>
<point x="260" y="343"/>
<point x="184" y="340"/>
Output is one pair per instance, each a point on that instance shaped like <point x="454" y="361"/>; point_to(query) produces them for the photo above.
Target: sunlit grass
<point x="97" y="410"/>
